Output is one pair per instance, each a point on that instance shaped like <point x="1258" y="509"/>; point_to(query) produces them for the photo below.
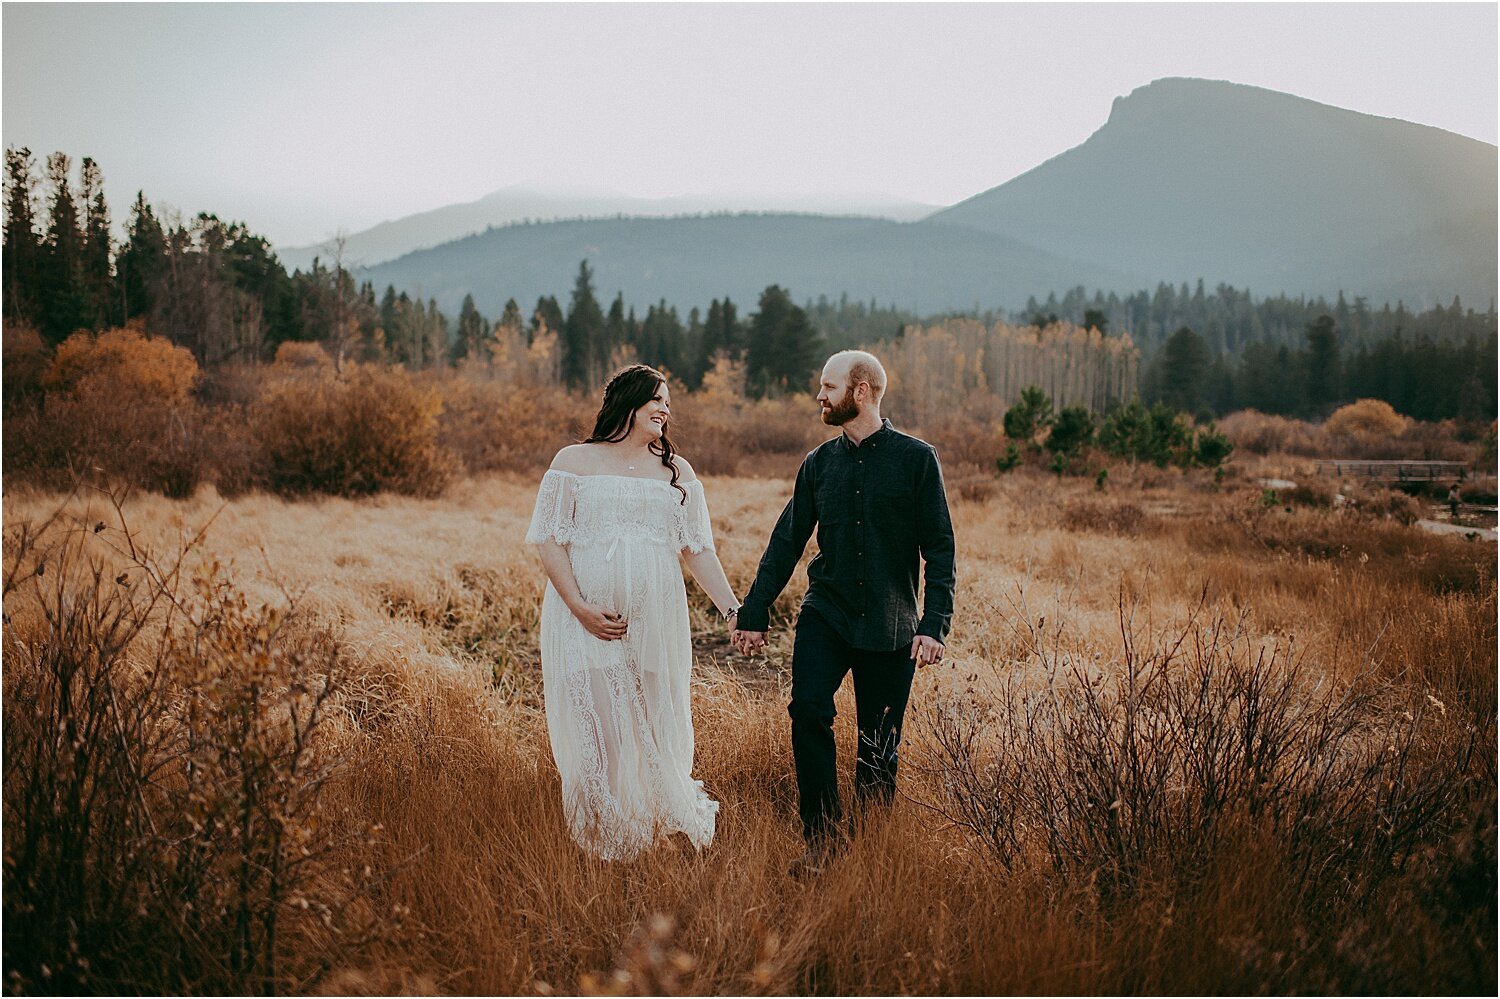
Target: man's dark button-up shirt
<point x="878" y="507"/>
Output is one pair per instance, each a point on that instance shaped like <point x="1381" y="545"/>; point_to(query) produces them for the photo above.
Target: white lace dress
<point x="618" y="712"/>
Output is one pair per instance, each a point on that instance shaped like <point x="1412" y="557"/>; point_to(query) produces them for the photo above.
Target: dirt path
<point x="1445" y="527"/>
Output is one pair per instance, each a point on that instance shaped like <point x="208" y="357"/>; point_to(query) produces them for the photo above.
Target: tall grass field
<point x="1187" y="738"/>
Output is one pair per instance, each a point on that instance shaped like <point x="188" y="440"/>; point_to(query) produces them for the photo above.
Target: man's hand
<point x="747" y="642"/>
<point x="926" y="650"/>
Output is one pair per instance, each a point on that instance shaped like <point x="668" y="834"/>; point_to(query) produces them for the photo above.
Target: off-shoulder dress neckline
<point x="614" y="475"/>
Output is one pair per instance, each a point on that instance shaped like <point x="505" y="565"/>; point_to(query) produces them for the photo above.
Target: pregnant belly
<point x="622" y="575"/>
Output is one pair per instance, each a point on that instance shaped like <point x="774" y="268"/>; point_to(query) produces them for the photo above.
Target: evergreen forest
<point x="217" y="289"/>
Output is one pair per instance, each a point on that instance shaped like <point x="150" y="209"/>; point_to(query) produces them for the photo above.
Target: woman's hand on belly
<point x="603" y="624"/>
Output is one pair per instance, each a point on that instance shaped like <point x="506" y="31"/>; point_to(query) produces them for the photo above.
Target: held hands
<point x="926" y="650"/>
<point x="747" y="642"/>
<point x="605" y="625"/>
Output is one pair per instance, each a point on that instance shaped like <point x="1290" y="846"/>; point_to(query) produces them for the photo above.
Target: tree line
<point x="1232" y="319"/>
<point x="218" y="289"/>
<point x="778" y="343"/>
<point x="1419" y="376"/>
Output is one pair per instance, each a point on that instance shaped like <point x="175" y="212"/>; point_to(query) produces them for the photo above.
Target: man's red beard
<point x="841" y="412"/>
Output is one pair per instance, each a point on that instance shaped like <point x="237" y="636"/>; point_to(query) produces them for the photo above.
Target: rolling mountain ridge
<point x="688" y="261"/>
<point x="395" y="238"/>
<point x="1187" y="179"/>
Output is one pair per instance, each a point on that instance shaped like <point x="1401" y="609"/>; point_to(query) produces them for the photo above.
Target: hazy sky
<point x="304" y="118"/>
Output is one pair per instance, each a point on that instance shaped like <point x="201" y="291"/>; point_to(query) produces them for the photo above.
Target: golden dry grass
<point x="436" y="603"/>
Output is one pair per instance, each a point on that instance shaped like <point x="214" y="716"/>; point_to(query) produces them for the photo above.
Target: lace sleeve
<point x="552" y="520"/>
<point x="695" y="531"/>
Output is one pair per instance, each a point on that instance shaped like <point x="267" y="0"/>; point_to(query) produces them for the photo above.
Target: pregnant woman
<point x="612" y="517"/>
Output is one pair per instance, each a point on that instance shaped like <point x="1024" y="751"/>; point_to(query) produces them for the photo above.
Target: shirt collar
<point x="849" y="445"/>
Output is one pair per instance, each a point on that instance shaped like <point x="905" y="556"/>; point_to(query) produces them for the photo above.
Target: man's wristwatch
<point x="731" y="612"/>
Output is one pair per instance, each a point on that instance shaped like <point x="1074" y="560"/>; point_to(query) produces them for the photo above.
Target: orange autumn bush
<point x="1370" y="419"/>
<point x="120" y="404"/>
<point x="124" y="359"/>
<point x="302" y="354"/>
<point x="495" y="425"/>
<point x="366" y="430"/>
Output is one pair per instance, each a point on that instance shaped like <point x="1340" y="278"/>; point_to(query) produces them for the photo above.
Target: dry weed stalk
<point x="1151" y="769"/>
<point x="164" y="772"/>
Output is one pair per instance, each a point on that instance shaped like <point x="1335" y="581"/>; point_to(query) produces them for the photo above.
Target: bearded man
<point x="876" y="499"/>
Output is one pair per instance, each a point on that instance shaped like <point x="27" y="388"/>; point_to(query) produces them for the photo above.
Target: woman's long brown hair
<point x="627" y="391"/>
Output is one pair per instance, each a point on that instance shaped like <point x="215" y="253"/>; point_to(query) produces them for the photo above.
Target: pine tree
<point x="371" y="333"/>
<point x="63" y="295"/>
<point x="204" y="297"/>
<point x="398" y="335"/>
<point x="141" y="260"/>
<point x="713" y="335"/>
<point x="23" y="246"/>
<point x="694" y="360"/>
<point x="1178" y="374"/>
<point x="547" y="313"/>
<point x="472" y="330"/>
<point x="584" y="351"/>
<point x="720" y="333"/>
<point x="616" y="331"/>
<point x="388" y="310"/>
<point x="659" y="341"/>
<point x="251" y="266"/>
<point x="730" y="334"/>
<point x="436" y="348"/>
<point x="98" y="273"/>
<point x="782" y="351"/>
<point x="1323" y="374"/>
<point x="510" y="316"/>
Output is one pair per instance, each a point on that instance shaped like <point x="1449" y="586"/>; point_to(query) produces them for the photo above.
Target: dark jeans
<point x="882" y="684"/>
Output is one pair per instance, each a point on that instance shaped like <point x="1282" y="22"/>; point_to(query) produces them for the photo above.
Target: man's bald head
<point x="855" y="366"/>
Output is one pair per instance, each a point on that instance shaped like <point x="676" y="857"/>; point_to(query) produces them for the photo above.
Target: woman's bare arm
<point x="601" y="623"/>
<point x="709" y="573"/>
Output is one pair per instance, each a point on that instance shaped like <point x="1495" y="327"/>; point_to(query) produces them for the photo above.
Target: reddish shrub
<point x="1262" y="433"/>
<point x="505" y="426"/>
<point x="722" y="433"/>
<point x="26" y="360"/>
<point x="365" y="431"/>
<point x="1102" y="516"/>
<point x="302" y="354"/>
<point x="117" y="404"/>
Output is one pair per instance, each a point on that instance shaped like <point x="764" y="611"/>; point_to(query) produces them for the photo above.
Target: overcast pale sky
<point x="301" y="119"/>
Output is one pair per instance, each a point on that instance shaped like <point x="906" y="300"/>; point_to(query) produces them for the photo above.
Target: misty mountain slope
<point x="397" y="237"/>
<point x="1199" y="178"/>
<point x="689" y="261"/>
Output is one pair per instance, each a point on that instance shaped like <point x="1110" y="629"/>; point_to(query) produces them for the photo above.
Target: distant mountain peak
<point x="1176" y="94"/>
<point x="1192" y="178"/>
<point x="1184" y="95"/>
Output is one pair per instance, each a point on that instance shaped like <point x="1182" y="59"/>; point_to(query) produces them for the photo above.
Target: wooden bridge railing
<point x="1395" y="471"/>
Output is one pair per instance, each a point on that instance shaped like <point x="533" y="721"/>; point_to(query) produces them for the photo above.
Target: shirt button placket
<point x="859" y="525"/>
